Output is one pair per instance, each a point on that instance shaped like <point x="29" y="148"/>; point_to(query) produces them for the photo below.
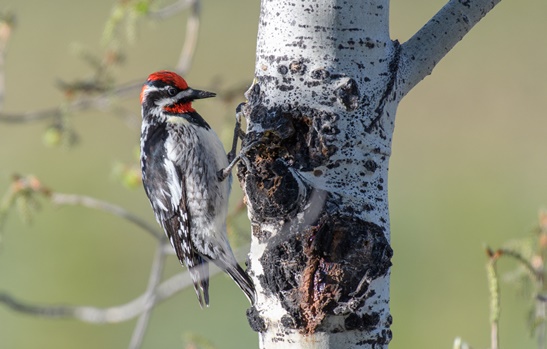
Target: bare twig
<point x="171" y="9"/>
<point x="95" y="315"/>
<point x="191" y="40"/>
<point x="89" y="202"/>
<point x="120" y="313"/>
<point x="100" y="102"/>
<point x="537" y="275"/>
<point x="153" y="282"/>
<point x="6" y="24"/>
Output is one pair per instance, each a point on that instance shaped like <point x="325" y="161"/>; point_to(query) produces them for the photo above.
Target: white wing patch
<point x="160" y="204"/>
<point x="174" y="183"/>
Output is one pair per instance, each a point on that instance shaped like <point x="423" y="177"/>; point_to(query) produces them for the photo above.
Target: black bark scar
<point x="393" y="70"/>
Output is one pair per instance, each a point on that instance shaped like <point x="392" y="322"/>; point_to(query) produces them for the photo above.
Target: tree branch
<point x="6" y="25"/>
<point x="119" y="313"/>
<point x="86" y="201"/>
<point x="103" y="101"/>
<point x="97" y="315"/>
<point x="171" y="9"/>
<point x="421" y="53"/>
<point x="191" y="40"/>
<point x="153" y="282"/>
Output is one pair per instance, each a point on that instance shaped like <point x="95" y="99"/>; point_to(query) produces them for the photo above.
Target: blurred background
<point x="469" y="168"/>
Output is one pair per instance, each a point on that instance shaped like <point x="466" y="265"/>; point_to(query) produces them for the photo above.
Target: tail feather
<point x="199" y="272"/>
<point x="243" y="280"/>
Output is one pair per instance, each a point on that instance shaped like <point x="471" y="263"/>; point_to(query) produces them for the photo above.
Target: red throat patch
<point x="179" y="108"/>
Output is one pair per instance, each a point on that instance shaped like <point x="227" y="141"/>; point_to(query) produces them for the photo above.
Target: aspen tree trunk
<point x="320" y="119"/>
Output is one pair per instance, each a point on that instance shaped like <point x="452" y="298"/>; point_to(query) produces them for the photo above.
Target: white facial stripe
<point x="163" y="101"/>
<point x="184" y="93"/>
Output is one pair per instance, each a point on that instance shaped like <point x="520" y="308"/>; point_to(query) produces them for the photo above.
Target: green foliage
<point x="129" y="175"/>
<point x="529" y="277"/>
<point x="123" y="19"/>
<point x="493" y="285"/>
<point x="60" y="133"/>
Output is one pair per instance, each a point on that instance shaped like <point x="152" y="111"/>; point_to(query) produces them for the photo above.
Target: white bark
<point x="320" y="117"/>
<point x="430" y="44"/>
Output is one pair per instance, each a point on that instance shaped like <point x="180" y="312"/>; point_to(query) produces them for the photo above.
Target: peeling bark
<point x="320" y="118"/>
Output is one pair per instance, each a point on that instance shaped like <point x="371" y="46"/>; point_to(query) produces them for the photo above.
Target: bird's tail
<point x="243" y="280"/>
<point x="199" y="272"/>
<point x="228" y="263"/>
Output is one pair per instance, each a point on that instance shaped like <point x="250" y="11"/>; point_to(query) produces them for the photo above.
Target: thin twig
<point x="493" y="285"/>
<point x="100" y="102"/>
<point x="538" y="277"/>
<point x="120" y="313"/>
<point x="153" y="282"/>
<point x="89" y="202"/>
<point x="6" y="25"/>
<point x="171" y="10"/>
<point x="191" y="39"/>
<point x="95" y="315"/>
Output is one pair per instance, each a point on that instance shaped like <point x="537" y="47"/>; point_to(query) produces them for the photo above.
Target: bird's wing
<point x="165" y="185"/>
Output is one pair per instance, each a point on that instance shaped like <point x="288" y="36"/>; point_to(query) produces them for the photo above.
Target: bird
<point x="184" y="174"/>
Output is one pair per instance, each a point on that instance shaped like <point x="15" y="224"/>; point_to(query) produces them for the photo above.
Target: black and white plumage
<point x="181" y="157"/>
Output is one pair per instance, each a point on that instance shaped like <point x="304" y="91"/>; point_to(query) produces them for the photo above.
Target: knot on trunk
<point x="327" y="269"/>
<point x="281" y="143"/>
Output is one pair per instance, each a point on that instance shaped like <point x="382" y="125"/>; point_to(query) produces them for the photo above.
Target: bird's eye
<point x="171" y="91"/>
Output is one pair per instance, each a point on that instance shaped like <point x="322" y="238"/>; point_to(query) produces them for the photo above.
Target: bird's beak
<point x="198" y="94"/>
